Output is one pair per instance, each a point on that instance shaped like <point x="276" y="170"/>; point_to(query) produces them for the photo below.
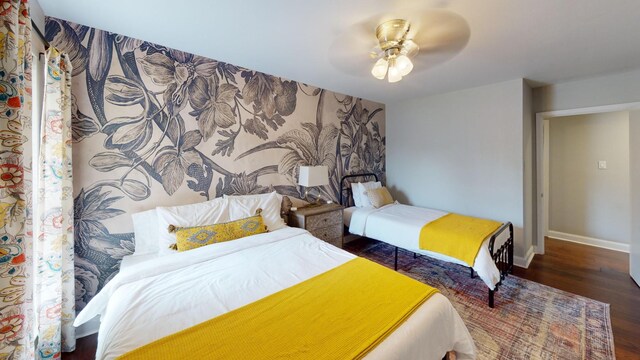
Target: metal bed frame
<point x="502" y="256"/>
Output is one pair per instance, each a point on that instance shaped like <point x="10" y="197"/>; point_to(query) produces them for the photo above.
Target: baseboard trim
<point x="524" y="262"/>
<point x="585" y="240"/>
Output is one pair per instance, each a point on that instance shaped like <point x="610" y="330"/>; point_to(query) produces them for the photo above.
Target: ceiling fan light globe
<point x="394" y="74"/>
<point x="379" y="70"/>
<point x="404" y="65"/>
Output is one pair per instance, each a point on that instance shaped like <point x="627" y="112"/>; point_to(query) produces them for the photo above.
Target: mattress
<point x="155" y="296"/>
<point x="400" y="225"/>
<point x="347" y="213"/>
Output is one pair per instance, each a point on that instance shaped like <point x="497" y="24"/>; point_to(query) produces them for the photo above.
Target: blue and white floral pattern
<point x="157" y="126"/>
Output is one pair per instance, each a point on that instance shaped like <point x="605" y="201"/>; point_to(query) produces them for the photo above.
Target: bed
<point x="400" y="225"/>
<point x="155" y="295"/>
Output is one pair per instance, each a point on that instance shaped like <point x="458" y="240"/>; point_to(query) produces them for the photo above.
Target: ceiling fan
<point x="410" y="40"/>
<point x="396" y="50"/>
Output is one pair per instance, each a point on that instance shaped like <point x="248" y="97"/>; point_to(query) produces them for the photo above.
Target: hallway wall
<point x="585" y="200"/>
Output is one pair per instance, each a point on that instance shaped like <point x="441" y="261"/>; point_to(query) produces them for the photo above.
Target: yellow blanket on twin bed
<point x="340" y="314"/>
<point x="457" y="236"/>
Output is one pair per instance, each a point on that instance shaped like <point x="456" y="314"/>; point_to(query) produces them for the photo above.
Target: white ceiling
<point x="546" y="41"/>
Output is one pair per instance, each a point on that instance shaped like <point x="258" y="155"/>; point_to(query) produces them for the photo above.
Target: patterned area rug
<point x="530" y="320"/>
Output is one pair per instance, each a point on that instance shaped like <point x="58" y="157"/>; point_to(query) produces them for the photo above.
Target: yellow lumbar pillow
<point x="379" y="197"/>
<point x="188" y="238"/>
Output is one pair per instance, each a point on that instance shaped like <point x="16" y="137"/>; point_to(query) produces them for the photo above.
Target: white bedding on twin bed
<point x="400" y="225"/>
<point x="155" y="296"/>
<point x="347" y="213"/>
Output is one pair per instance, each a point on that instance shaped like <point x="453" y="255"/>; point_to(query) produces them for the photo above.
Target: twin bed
<point x="400" y="225"/>
<point x="158" y="293"/>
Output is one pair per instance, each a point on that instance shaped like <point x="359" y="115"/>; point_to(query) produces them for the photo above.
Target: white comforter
<point x="160" y="296"/>
<point x="400" y="225"/>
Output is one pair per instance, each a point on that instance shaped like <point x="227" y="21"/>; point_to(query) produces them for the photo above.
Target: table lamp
<point x="310" y="176"/>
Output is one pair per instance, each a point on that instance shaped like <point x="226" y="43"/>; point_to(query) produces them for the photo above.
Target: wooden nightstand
<point x="323" y="221"/>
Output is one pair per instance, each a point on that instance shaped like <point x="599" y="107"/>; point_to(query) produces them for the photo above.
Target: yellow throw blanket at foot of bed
<point x="457" y="236"/>
<point x="340" y="314"/>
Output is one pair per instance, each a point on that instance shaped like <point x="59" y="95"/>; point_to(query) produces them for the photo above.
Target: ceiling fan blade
<point x="440" y="31"/>
<point x="351" y="51"/>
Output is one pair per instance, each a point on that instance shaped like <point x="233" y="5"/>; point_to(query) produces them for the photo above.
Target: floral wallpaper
<point x="153" y="126"/>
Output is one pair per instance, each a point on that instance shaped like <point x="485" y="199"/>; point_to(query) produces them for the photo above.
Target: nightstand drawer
<point x="328" y="233"/>
<point x="322" y="220"/>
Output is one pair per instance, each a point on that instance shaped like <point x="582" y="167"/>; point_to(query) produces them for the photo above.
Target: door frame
<point x="542" y="160"/>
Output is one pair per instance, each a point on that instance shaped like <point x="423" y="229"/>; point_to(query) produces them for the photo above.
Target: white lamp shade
<point x="313" y="176"/>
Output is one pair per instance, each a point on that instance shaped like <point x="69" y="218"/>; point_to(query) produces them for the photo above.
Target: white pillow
<point x="146" y="231"/>
<point x="358" y="189"/>
<point x="205" y="213"/>
<point x="254" y="196"/>
<point x="245" y="206"/>
<point x="355" y="194"/>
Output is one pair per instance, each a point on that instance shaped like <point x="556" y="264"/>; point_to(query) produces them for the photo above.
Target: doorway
<point x="543" y="186"/>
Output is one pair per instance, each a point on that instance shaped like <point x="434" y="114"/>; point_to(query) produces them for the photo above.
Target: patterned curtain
<point x="55" y="284"/>
<point x="16" y="339"/>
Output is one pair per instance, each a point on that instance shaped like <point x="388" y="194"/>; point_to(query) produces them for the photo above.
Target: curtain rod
<point x="35" y="27"/>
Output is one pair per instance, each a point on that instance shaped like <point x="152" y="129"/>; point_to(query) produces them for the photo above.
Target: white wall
<point x="529" y="175"/>
<point x="605" y="90"/>
<point x="634" y="145"/>
<point x="585" y="200"/>
<point x="462" y="152"/>
<point x="38" y="45"/>
<point x="37" y="15"/>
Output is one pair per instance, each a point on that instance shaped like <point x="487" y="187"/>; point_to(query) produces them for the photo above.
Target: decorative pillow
<point x="358" y="189"/>
<point x="244" y="206"/>
<point x="379" y="197"/>
<point x="146" y="231"/>
<point x="208" y="212"/>
<point x="188" y="238"/>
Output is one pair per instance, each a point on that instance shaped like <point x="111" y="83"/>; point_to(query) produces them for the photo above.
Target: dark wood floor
<point x="85" y="349"/>
<point x="596" y="273"/>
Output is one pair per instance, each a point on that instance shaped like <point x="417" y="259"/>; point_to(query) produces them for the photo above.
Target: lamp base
<point x="312" y="203"/>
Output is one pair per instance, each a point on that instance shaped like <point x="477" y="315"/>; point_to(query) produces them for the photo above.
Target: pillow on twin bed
<point x="208" y="212"/>
<point x="379" y="197"/>
<point x="193" y="237"/>
<point x="358" y="190"/>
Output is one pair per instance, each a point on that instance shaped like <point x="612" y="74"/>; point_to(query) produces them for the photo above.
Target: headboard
<point x="346" y="195"/>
